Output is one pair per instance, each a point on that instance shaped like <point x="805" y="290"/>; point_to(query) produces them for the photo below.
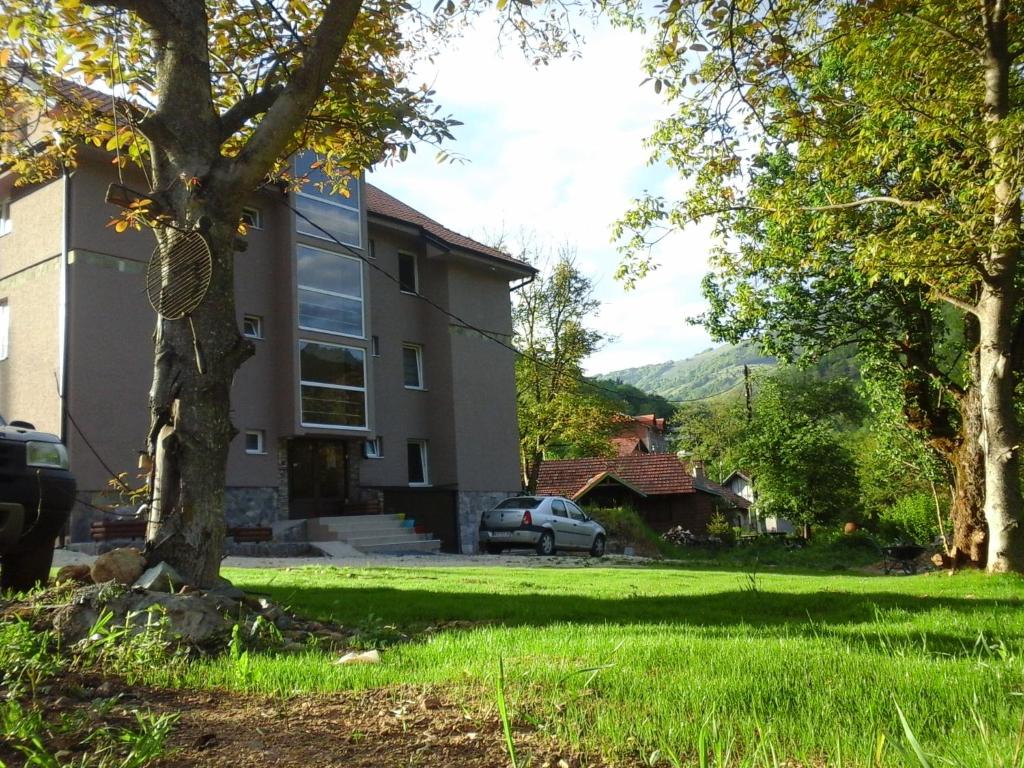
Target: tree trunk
<point x="995" y="308"/>
<point x="970" y="535"/>
<point x="191" y="425"/>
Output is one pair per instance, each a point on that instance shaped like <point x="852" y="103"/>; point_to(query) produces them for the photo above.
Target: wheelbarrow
<point x="902" y="558"/>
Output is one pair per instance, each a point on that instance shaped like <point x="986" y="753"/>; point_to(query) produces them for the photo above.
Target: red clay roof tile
<point x="653" y="473"/>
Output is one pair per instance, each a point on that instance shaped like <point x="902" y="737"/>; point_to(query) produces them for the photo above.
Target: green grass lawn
<point x="642" y="664"/>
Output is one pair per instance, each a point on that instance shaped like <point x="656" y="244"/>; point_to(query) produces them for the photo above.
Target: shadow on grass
<point x="787" y="614"/>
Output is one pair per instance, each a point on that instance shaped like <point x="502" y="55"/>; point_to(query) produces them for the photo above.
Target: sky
<point x="558" y="152"/>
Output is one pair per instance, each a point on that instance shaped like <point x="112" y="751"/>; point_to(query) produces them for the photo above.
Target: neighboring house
<point x="741" y="484"/>
<point x="664" y="491"/>
<point x="638" y="434"/>
<point x="361" y="397"/>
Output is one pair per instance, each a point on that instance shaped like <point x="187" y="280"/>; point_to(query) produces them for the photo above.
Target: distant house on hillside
<point x="664" y="491"/>
<point x="639" y="435"/>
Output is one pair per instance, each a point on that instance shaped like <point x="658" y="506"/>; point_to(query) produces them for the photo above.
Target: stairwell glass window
<point x="5" y="328"/>
<point x="333" y="385"/>
<point x="418" y="463"/>
<point x="5" y="217"/>
<point x="330" y="292"/>
<point x="324" y="212"/>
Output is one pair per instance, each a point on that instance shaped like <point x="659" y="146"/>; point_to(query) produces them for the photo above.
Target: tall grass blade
<point x="506" y="723"/>
<point x="914" y="745"/>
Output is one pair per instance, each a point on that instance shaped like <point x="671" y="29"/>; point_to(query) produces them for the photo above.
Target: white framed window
<point x="412" y="366"/>
<point x="408" y="273"/>
<point x="5" y="216"/>
<point x="375" y="346"/>
<point x="373" y="448"/>
<point x="256" y="441"/>
<point x="324" y="212"/>
<point x="332" y="384"/>
<point x="252" y="217"/>
<point x="5" y="328"/>
<point x="419" y="472"/>
<point x="252" y="326"/>
<point x="330" y="292"/>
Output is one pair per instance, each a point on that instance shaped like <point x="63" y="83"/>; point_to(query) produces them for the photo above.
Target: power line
<point x="465" y="323"/>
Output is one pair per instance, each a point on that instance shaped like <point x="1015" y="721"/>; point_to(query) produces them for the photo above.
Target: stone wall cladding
<point x="251" y="507"/>
<point x="470" y="508"/>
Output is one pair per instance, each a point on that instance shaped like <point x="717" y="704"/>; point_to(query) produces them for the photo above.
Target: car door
<point x="563" y="525"/>
<point x="582" y="531"/>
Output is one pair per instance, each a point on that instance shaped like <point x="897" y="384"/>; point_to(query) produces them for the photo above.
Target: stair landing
<point x="372" y="533"/>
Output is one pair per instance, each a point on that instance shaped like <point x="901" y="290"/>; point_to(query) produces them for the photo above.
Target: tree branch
<point x="289" y="109"/>
<point x="958" y="303"/>
<point x="247" y="108"/>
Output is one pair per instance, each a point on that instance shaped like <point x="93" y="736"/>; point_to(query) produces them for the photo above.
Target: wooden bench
<point x="104" y="530"/>
<point x="252" y="533"/>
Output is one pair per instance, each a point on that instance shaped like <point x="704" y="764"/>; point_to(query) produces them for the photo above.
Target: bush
<point x="627" y="529"/>
<point x="721" y="529"/>
<point x="911" y="519"/>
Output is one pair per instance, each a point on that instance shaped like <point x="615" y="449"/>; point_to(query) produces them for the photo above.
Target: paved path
<point x="515" y="559"/>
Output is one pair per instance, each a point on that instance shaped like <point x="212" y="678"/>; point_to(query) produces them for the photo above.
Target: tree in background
<point x="213" y="98"/>
<point x="712" y="431"/>
<point x="899" y="125"/>
<point x="559" y="414"/>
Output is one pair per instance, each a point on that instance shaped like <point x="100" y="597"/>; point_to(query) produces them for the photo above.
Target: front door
<point x="317" y="480"/>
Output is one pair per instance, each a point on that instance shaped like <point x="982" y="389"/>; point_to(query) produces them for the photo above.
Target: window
<point x="408" y="279"/>
<point x="330" y="292"/>
<point x="374" y="448"/>
<point x="5" y="216"/>
<point x="252" y="218"/>
<point x="575" y="512"/>
<point x="5" y="328"/>
<point x="373" y="249"/>
<point x="412" y="366"/>
<point x="418" y="474"/>
<point x="375" y="346"/>
<point x="324" y="214"/>
<point x="333" y="385"/>
<point x="252" y="326"/>
<point x="558" y="507"/>
<point x="255" y="441"/>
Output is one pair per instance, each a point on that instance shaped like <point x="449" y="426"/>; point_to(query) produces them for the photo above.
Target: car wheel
<point x="21" y="570"/>
<point x="494" y="549"/>
<point x="546" y="545"/>
<point x="597" y="548"/>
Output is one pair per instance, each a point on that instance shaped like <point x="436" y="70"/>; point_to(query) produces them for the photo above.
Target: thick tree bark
<point x="970" y="533"/>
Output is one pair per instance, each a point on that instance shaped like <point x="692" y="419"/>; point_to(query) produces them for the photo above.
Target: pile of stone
<point x="682" y="537"/>
<point x="202" y="620"/>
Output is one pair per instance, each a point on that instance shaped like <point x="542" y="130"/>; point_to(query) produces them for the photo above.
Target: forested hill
<point x="715" y="370"/>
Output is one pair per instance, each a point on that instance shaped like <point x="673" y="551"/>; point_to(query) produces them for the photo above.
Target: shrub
<point x="721" y="529"/>
<point x="911" y="519"/>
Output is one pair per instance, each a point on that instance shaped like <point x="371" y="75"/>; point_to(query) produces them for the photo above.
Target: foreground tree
<point x="559" y="413"/>
<point x="901" y="114"/>
<point x="212" y="99"/>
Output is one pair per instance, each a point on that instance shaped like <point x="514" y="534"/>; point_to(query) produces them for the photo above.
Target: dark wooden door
<point x="317" y="480"/>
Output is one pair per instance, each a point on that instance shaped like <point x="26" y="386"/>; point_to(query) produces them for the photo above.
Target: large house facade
<point x="361" y="395"/>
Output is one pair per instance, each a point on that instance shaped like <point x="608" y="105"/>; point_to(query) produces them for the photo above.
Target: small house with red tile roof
<point x="664" y="490"/>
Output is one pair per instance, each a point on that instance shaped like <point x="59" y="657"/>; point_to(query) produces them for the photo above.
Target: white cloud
<point x="559" y="151"/>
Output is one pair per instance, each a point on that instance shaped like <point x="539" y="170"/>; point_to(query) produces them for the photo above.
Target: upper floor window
<point x="408" y="276"/>
<point x="412" y="366"/>
<point x="5" y="216"/>
<point x="333" y="385"/>
<point x="252" y="326"/>
<point x="256" y="441"/>
<point x="5" y="328"/>
<point x="323" y="213"/>
<point x="330" y="291"/>
<point x="252" y="218"/>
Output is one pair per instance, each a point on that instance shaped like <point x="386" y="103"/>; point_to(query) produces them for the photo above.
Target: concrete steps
<point x="372" y="533"/>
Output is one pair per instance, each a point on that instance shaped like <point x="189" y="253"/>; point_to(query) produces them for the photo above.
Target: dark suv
<point x="36" y="495"/>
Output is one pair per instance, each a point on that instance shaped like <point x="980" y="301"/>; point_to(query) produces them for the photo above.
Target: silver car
<point x="544" y="523"/>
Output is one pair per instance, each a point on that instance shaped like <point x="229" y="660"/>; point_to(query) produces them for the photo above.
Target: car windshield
<point x="525" y="502"/>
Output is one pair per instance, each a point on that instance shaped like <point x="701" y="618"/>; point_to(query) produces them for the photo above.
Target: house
<point x="664" y="490"/>
<point x="741" y="484"/>
<point x="638" y="434"/>
<point x="361" y="397"/>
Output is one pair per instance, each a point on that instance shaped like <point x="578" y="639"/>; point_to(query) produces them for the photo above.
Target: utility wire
<point x="465" y="323"/>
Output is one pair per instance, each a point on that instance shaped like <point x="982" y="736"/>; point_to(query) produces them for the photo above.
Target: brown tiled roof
<point x="720" y="490"/>
<point x="380" y="203"/>
<point x="652" y="473"/>
<point x="627" y="446"/>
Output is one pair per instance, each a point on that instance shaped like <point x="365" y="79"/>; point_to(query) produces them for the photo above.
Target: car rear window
<point x="519" y="503"/>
